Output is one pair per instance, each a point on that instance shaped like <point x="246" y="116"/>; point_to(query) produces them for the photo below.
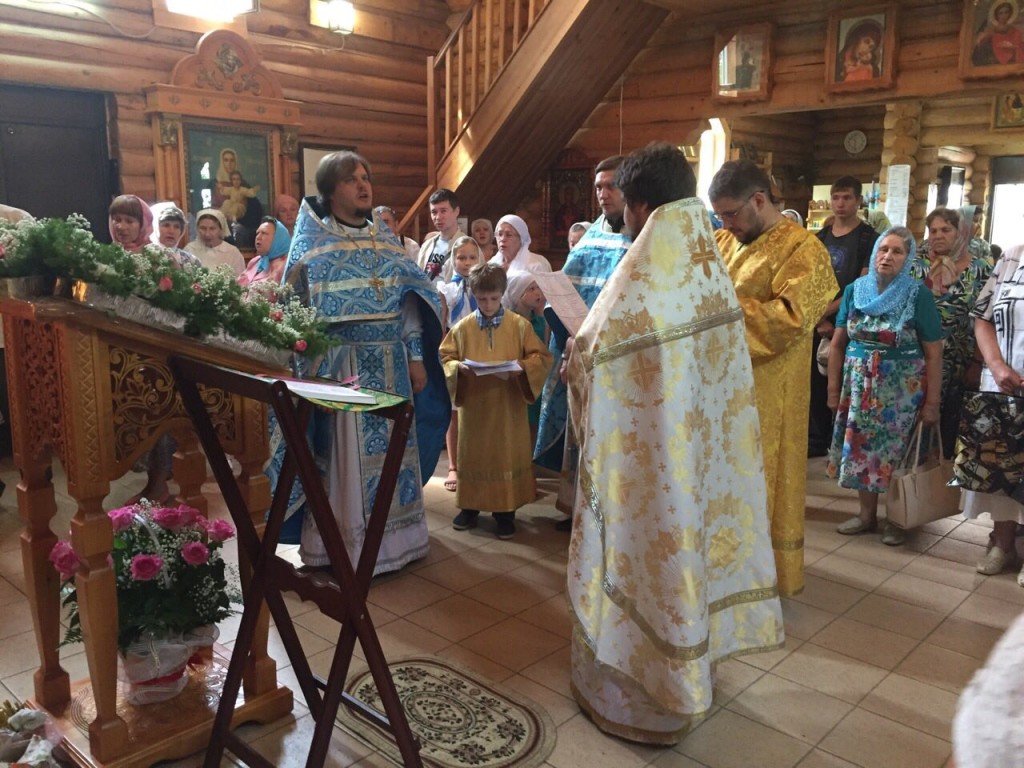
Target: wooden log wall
<point x="831" y="160"/>
<point x="367" y="89"/>
<point x="787" y="138"/>
<point x="666" y="92"/>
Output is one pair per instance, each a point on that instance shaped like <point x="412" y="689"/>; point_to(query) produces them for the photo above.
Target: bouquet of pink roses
<point x="171" y="578"/>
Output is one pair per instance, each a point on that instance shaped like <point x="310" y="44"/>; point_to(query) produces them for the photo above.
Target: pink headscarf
<point x="943" y="271"/>
<point x="145" y="231"/>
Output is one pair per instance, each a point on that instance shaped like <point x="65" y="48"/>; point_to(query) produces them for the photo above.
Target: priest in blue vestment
<point x="588" y="267"/>
<point x="386" y="319"/>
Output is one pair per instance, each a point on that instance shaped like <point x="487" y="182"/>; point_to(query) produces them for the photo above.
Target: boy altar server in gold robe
<point x="784" y="280"/>
<point x="495" y="450"/>
<point x="670" y="564"/>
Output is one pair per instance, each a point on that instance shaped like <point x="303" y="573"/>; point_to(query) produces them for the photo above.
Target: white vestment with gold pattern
<point x="670" y="565"/>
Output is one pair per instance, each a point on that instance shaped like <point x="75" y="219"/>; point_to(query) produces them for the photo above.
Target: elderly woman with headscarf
<point x="878" y="221"/>
<point x="170" y="222"/>
<point x="514" y="253"/>
<point x="210" y="247"/>
<point x="884" y="373"/>
<point x="388" y="215"/>
<point x="793" y="215"/>
<point x="131" y="222"/>
<point x="272" y="244"/>
<point x="286" y="210"/>
<point x="170" y="228"/>
<point x="576" y="232"/>
<point x="955" y="278"/>
<point x="524" y="297"/>
<point x="483" y="232"/>
<point x="979" y="248"/>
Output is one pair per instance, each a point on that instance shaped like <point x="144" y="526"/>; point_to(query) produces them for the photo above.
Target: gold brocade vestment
<point x="784" y="281"/>
<point x="670" y="566"/>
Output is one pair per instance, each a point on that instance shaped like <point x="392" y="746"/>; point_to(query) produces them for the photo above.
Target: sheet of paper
<point x="897" y="194"/>
<point x="487" y="369"/>
<point x="333" y="393"/>
<point x="564" y="299"/>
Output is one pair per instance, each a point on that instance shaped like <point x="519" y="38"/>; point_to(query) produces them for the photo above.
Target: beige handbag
<point x="919" y="493"/>
<point x="821" y="355"/>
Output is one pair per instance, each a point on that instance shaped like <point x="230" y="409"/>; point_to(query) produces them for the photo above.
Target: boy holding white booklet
<point x="494" y="453"/>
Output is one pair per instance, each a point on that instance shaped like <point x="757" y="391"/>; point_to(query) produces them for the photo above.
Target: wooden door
<point x="53" y="154"/>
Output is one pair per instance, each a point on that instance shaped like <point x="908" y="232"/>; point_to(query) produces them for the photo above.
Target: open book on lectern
<point x="324" y="390"/>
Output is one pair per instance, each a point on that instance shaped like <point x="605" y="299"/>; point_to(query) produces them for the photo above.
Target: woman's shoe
<point x="893" y="535"/>
<point x="855" y="525"/>
<point x="996" y="561"/>
<point x="452" y="483"/>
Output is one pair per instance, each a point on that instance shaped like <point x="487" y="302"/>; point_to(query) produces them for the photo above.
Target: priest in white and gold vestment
<point x="670" y="565"/>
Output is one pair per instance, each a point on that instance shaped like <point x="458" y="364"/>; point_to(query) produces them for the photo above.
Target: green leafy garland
<point x="210" y="301"/>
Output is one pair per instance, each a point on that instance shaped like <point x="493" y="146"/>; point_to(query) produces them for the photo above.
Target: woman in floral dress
<point x="884" y="372"/>
<point x="955" y="276"/>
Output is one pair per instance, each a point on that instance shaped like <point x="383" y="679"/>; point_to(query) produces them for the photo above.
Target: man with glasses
<point x="784" y="280"/>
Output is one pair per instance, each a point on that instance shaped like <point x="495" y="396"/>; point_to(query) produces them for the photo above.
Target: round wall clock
<point x="854" y="142"/>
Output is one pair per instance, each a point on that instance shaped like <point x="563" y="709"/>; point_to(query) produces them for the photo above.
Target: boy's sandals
<point x="453" y="479"/>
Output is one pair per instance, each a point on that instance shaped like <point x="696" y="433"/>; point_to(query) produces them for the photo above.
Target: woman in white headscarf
<point x="210" y="247"/>
<point x="514" y="255"/>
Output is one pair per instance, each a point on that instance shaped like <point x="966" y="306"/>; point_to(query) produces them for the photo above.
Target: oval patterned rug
<point x="459" y="719"/>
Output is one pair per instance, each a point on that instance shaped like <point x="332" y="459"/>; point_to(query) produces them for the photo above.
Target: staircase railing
<point x="463" y="71"/>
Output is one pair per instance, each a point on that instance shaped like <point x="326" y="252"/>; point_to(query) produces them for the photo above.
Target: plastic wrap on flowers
<point x="27" y="738"/>
<point x="154" y="669"/>
<point x="200" y="642"/>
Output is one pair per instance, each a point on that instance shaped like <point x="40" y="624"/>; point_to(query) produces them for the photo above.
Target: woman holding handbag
<point x="999" y="330"/>
<point x="884" y="373"/>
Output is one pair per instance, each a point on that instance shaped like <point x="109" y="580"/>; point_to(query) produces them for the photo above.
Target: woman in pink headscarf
<point x="131" y="222"/>
<point x="514" y="255"/>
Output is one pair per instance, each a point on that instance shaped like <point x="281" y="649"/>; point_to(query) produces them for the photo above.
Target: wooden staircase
<point x="512" y="85"/>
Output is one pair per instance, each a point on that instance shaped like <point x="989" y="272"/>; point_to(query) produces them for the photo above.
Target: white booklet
<point x="321" y="390"/>
<point x="487" y="369"/>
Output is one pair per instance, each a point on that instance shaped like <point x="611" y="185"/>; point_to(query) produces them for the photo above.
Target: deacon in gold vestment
<point x="784" y="279"/>
<point x="670" y="566"/>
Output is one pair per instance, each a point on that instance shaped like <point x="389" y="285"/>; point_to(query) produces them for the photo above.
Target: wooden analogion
<point x="96" y="393"/>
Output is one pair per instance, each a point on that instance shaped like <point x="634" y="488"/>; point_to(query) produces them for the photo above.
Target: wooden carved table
<point x="97" y="393"/>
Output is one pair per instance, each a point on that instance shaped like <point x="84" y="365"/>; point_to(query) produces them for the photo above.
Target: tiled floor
<point x="879" y="644"/>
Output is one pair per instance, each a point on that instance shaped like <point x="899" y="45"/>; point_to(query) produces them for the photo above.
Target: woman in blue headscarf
<point x="272" y="244"/>
<point x="884" y="373"/>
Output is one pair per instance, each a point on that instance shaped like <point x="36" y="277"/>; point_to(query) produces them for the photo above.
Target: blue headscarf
<point x="463" y="294"/>
<point x="278" y="246"/>
<point x="895" y="296"/>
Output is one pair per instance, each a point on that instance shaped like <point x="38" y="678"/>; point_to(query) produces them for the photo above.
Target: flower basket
<point x="154" y="669"/>
<point x="257" y="350"/>
<point x="128" y="307"/>
<point x="172" y="589"/>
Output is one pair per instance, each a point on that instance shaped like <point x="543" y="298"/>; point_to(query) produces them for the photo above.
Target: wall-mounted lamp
<point x="341" y="16"/>
<point x="336" y="15"/>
